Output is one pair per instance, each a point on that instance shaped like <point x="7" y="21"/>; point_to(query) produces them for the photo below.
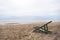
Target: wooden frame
<point x="44" y="27"/>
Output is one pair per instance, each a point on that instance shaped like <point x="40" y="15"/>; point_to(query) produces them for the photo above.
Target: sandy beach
<point x="25" y="31"/>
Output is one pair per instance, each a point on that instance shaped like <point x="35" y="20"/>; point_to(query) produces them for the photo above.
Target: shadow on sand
<point x="43" y="32"/>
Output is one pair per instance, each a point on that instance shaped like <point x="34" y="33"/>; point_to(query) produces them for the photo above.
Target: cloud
<point x="29" y="7"/>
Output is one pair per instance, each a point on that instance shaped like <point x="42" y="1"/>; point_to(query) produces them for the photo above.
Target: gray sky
<point x="29" y="7"/>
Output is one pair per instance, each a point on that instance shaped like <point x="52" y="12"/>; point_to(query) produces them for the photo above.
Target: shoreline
<point x="15" y="23"/>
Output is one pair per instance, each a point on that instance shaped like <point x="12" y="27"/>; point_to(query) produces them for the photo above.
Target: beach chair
<point x="43" y="28"/>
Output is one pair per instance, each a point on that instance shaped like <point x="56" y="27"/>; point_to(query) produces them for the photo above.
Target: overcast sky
<point x="29" y="7"/>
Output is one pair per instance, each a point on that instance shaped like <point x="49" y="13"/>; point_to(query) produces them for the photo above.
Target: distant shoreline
<point x="28" y="22"/>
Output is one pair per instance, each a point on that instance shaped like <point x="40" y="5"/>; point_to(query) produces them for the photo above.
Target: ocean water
<point x="24" y="20"/>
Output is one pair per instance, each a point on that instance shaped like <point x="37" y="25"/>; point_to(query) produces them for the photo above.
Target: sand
<point x="25" y="32"/>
